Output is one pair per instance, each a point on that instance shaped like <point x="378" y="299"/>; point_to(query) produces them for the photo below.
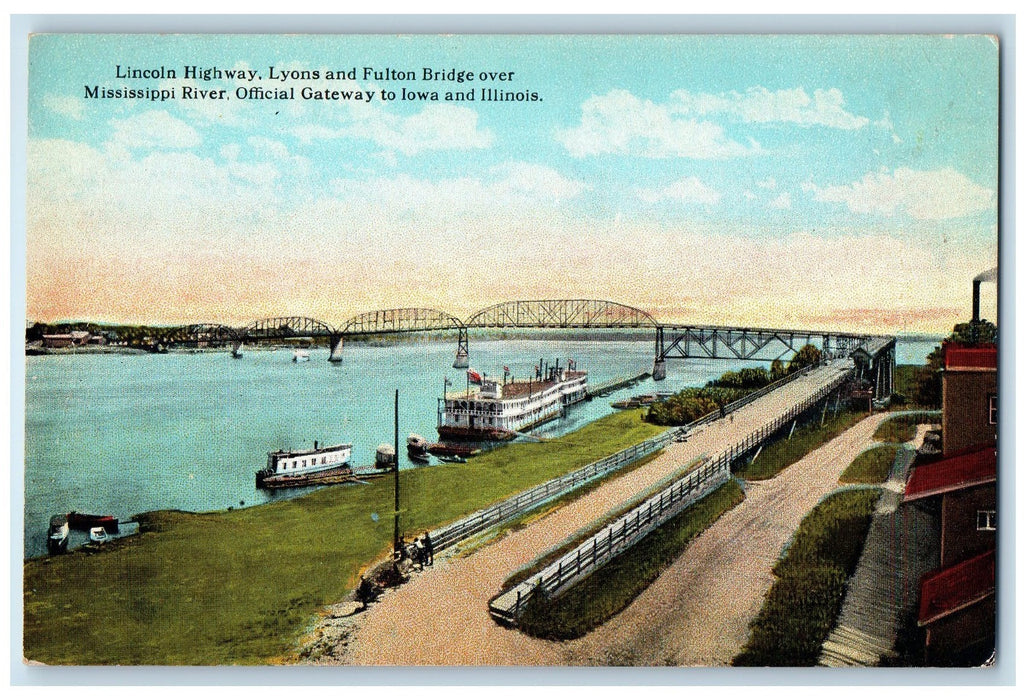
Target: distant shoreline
<point x="35" y="350"/>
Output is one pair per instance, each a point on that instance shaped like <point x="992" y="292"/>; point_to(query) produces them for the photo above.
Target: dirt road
<point x="696" y="613"/>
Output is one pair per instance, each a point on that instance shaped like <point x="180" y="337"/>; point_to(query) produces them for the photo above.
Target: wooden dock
<point x="615" y="383"/>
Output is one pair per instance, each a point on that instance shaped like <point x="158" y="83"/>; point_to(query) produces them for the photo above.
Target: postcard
<point x="511" y="350"/>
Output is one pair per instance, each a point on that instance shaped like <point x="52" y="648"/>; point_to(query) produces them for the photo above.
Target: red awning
<point x="956" y="472"/>
<point x="956" y="587"/>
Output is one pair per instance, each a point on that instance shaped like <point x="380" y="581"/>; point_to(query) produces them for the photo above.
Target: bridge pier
<point x="462" y="351"/>
<point x="659" y="370"/>
<point x="335" y="341"/>
<point x="659" y="366"/>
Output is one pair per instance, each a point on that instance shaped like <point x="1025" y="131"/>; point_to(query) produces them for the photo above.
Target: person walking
<point x="429" y="549"/>
<point x="364" y="592"/>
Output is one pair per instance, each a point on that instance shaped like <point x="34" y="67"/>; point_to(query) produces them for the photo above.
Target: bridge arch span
<point x="200" y="333"/>
<point x="412" y="320"/>
<point x="288" y="327"/>
<point x="562" y="313"/>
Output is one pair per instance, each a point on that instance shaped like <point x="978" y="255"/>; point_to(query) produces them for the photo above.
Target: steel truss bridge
<point x="672" y="342"/>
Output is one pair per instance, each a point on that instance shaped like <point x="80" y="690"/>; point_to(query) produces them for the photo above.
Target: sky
<point x="831" y="182"/>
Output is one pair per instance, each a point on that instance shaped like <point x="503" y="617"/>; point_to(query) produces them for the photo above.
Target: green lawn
<point x="872" y="466"/>
<point x="903" y="428"/>
<point x="240" y="587"/>
<point x="781" y="454"/>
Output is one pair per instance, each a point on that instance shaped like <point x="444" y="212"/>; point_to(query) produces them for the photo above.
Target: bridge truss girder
<point x="212" y="333"/>
<point x="756" y="344"/>
<point x="412" y="320"/>
<point x="561" y="313"/>
<point x="288" y="327"/>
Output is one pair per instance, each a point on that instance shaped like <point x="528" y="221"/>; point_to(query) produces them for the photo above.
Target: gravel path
<point x="696" y="613"/>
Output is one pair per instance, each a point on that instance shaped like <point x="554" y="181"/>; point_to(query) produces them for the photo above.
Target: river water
<point x="125" y="434"/>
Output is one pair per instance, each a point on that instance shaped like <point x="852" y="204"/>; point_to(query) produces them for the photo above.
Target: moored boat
<point x="453" y="459"/>
<point x="85" y="521"/>
<point x="500" y="411"/>
<point x="57" y="536"/>
<point x="319" y="466"/>
<point x="449" y="449"/>
<point x="384" y="457"/>
<point x="97" y="534"/>
<point x="300" y="356"/>
<point x="416" y="445"/>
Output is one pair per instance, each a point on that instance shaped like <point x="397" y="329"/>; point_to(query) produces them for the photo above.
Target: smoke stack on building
<point x="988" y="276"/>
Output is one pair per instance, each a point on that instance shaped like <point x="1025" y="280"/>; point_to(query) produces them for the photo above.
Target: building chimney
<point x="976" y="301"/>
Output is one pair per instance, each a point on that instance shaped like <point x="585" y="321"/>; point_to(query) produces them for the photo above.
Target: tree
<point x="808" y="355"/>
<point x="753" y="377"/>
<point x="777" y="370"/>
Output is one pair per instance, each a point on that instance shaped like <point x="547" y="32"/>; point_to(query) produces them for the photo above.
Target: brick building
<point x="957" y="605"/>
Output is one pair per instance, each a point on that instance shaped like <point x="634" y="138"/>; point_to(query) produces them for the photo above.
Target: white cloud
<point x="768" y="184"/>
<point x="782" y="201"/>
<point x="268" y="148"/>
<point x="931" y="194"/>
<point x="153" y="129"/>
<point x="64" y="105"/>
<point x="513" y="185"/>
<point x="619" y="122"/>
<point x="231" y="151"/>
<point x="690" y="190"/>
<point x="759" y="105"/>
<point x="531" y="180"/>
<point x="263" y="174"/>
<point x="887" y="125"/>
<point x="435" y="128"/>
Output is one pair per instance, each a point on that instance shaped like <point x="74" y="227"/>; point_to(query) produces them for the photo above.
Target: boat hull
<point x="86" y="521"/>
<point x="441" y="449"/>
<point x="338" y="475"/>
<point x="452" y="432"/>
<point x="57" y="536"/>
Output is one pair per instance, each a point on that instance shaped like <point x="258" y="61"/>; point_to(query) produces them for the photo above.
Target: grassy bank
<point x="903" y="428"/>
<point x="803" y="603"/>
<point x="781" y="454"/>
<point x="872" y="466"/>
<point x="612" y="588"/>
<point x="238" y="587"/>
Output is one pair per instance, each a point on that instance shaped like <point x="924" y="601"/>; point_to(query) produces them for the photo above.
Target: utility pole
<point x="395" y="531"/>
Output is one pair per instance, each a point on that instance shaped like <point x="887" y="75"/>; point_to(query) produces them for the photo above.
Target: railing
<point x="522" y="502"/>
<point x="628" y="529"/>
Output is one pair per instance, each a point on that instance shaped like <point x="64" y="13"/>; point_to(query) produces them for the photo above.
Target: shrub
<point x="903" y="428"/>
<point x="872" y="466"/>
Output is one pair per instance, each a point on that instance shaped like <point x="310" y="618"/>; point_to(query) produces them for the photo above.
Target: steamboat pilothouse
<point x="498" y="411"/>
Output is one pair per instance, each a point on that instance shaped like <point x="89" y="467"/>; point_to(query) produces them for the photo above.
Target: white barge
<point x="321" y="465"/>
<point x="498" y="411"/>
